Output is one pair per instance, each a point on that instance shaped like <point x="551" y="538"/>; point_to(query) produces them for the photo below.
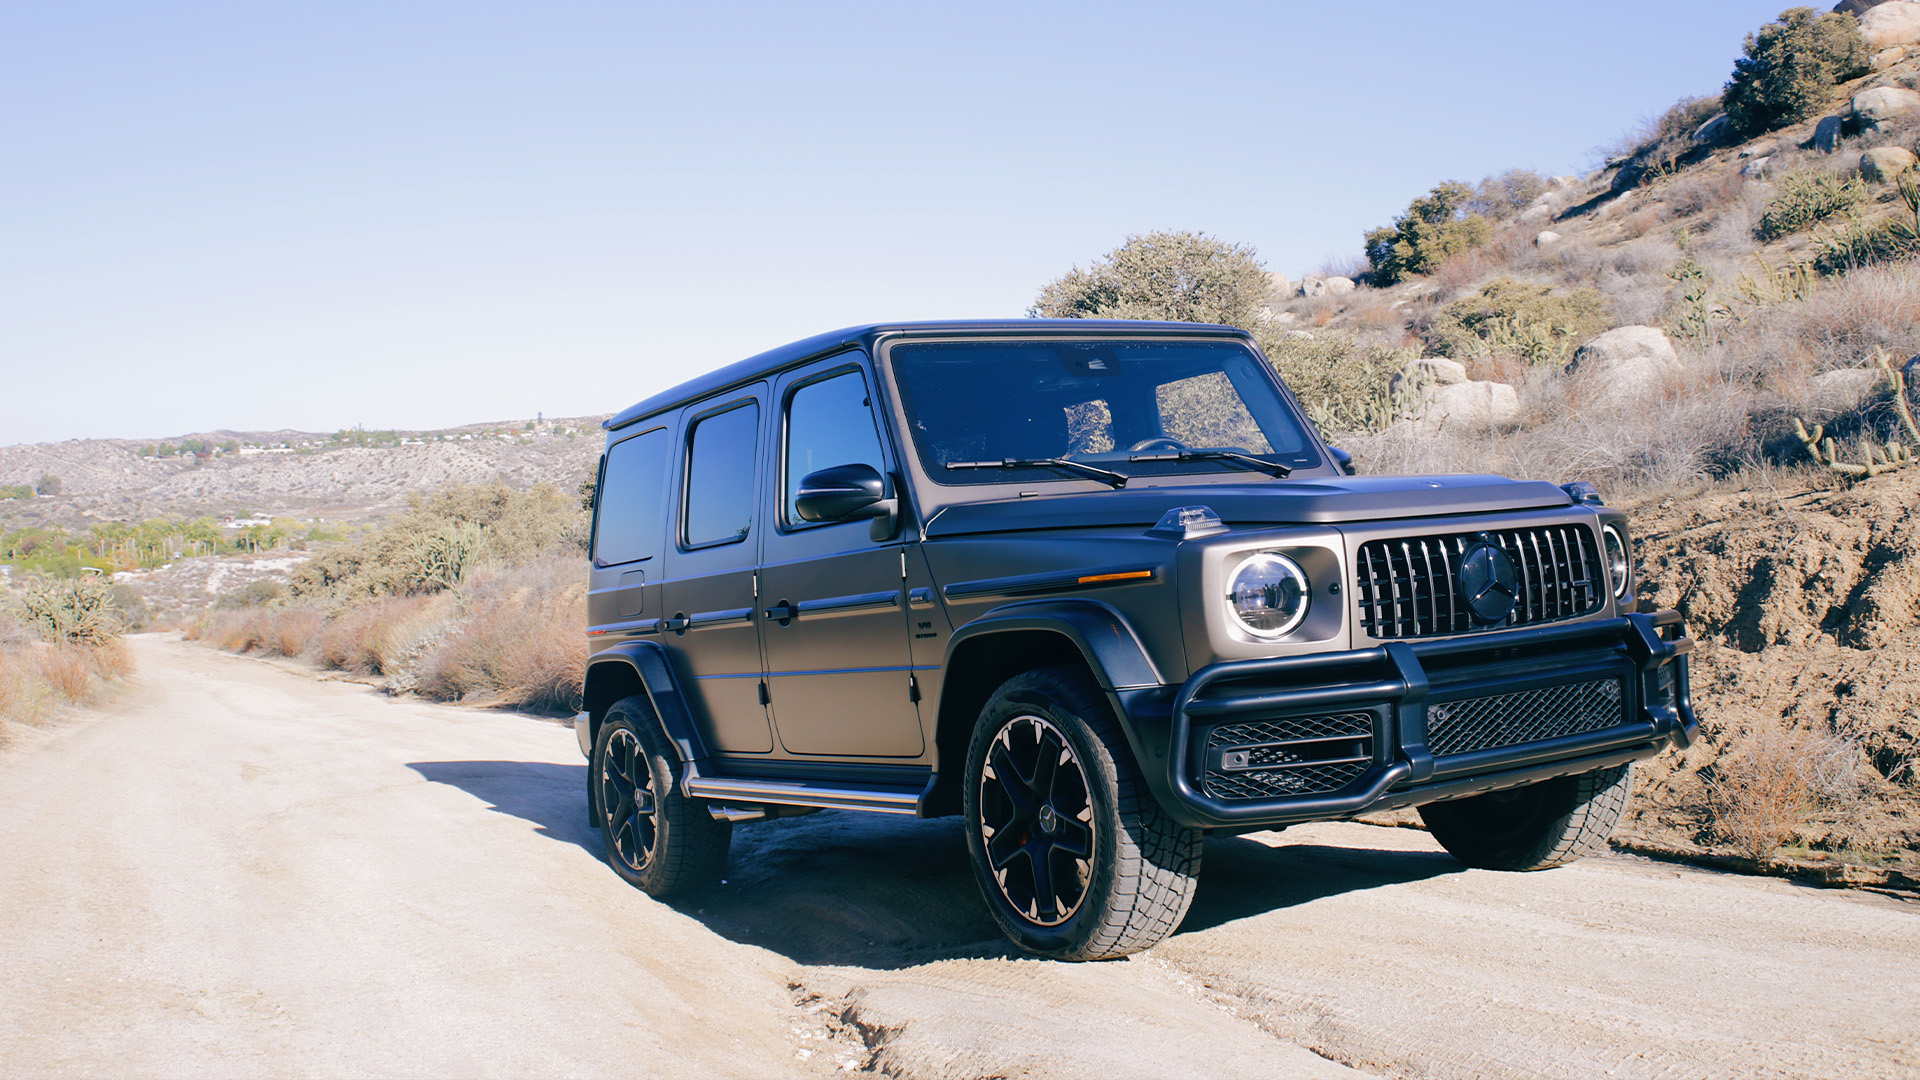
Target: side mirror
<point x="848" y="493"/>
<point x="1342" y="459"/>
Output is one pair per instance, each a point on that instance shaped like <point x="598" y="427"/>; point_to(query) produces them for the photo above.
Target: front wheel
<point x="1075" y="859"/>
<point x="660" y="841"/>
<point x="1541" y="825"/>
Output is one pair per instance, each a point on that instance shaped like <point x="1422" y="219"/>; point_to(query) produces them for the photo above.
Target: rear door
<point x="835" y="635"/>
<point x="710" y="622"/>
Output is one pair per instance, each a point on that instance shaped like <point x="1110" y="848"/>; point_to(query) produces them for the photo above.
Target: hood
<point x="1307" y="502"/>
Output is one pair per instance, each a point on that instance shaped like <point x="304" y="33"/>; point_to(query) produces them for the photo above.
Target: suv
<point x="1100" y="587"/>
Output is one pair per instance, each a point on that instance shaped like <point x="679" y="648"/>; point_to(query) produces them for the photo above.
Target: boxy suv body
<point x="1101" y="588"/>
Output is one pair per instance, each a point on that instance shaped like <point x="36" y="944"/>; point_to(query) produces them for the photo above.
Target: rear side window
<point x="632" y="499"/>
<point x="720" y="476"/>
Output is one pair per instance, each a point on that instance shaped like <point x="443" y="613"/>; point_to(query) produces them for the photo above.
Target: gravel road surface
<point x="237" y="869"/>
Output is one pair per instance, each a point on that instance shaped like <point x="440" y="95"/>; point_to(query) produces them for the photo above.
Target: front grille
<point x="1459" y="727"/>
<point x="1407" y="589"/>
<point x="1299" y="755"/>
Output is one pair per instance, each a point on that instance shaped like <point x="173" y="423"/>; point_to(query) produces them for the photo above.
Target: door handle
<point x="782" y="612"/>
<point x="675" y="623"/>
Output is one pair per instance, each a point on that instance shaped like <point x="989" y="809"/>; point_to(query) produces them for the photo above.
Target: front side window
<point x="631" y="499"/>
<point x="1134" y="408"/>
<point x="720" y="467"/>
<point x="829" y="423"/>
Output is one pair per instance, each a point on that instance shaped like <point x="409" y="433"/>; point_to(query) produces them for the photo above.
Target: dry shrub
<point x="1762" y="792"/>
<point x="371" y="639"/>
<point x="294" y="631"/>
<point x="68" y="670"/>
<point x="520" y="643"/>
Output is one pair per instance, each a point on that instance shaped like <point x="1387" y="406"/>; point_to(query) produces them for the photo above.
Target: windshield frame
<point x="1311" y="460"/>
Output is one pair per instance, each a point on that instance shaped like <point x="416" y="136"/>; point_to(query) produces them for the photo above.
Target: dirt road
<point x="238" y="870"/>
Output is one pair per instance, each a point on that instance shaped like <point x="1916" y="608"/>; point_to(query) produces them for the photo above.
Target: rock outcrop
<point x="1883" y="103"/>
<point x="1886" y="25"/>
<point x="1629" y="360"/>
<point x="1885" y="162"/>
<point x="1828" y="133"/>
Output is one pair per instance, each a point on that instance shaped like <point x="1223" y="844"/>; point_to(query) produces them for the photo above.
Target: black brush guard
<point x="1350" y="731"/>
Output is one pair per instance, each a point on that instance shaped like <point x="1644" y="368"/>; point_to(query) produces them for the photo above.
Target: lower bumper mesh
<point x="1489" y="723"/>
<point x="1305" y="755"/>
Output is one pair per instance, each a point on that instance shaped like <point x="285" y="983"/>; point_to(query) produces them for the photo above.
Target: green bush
<point x="1872" y="243"/>
<point x="1436" y="227"/>
<point x="1790" y="69"/>
<point x="1805" y="200"/>
<point x="16" y="491"/>
<point x="1341" y="382"/>
<point x="1179" y="276"/>
<point x="78" y="610"/>
<point x="1500" y="197"/>
<point x="1518" y="318"/>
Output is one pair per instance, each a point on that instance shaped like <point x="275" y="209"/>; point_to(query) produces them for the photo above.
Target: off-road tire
<point x="1139" y="877"/>
<point x="679" y="846"/>
<point x="1541" y="825"/>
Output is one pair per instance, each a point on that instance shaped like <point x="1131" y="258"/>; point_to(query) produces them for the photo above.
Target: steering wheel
<point x="1161" y="443"/>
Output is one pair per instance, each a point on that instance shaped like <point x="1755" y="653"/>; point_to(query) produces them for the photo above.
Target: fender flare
<point x="1110" y="647"/>
<point x="648" y="660"/>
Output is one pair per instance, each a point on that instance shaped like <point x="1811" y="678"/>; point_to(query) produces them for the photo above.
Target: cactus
<point x="1874" y="458"/>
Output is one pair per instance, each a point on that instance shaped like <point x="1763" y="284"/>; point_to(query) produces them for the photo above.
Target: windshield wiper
<point x="1118" y="480"/>
<point x="1245" y="461"/>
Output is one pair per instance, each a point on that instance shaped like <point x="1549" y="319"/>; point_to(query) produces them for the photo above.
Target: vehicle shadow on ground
<point x="552" y="797"/>
<point x="878" y="891"/>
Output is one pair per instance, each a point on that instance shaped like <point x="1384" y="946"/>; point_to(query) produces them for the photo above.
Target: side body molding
<point x="648" y="659"/>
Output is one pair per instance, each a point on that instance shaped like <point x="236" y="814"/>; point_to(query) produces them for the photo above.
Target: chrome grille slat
<point x="1404" y="591"/>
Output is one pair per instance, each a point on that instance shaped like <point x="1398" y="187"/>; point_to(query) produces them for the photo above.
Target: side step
<point x="733" y="790"/>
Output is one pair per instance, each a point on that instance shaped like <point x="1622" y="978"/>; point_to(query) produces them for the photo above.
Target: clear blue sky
<point x="312" y="215"/>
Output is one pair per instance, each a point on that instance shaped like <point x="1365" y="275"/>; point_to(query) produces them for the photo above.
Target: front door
<point x="835" y="635"/>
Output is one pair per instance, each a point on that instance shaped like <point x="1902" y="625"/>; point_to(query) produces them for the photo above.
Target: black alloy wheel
<point x="1074" y="858"/>
<point x="1036" y="821"/>
<point x="660" y="841"/>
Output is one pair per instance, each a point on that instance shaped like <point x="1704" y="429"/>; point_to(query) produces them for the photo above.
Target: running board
<point x="736" y="790"/>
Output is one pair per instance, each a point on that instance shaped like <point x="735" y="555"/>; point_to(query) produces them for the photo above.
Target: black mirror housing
<point x="846" y="493"/>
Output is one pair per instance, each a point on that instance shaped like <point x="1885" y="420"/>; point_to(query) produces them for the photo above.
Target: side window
<point x="829" y="423"/>
<point x="631" y="499"/>
<point x="720" y="465"/>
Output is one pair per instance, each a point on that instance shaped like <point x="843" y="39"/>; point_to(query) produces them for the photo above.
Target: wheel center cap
<point x="1049" y="820"/>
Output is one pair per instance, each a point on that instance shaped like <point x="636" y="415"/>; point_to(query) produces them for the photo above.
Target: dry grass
<point x="37" y="677"/>
<point x="520" y="642"/>
<point x="1762" y="794"/>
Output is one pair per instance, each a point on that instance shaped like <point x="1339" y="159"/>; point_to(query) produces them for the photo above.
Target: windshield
<point x="1125" y="406"/>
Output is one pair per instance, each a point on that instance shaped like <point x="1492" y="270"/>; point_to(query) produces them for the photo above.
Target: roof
<point x="755" y="367"/>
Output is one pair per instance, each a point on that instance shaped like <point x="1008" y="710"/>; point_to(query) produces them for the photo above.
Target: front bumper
<point x="1333" y="735"/>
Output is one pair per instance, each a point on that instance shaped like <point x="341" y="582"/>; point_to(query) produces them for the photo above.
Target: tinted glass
<point x="1094" y="401"/>
<point x="720" y="476"/>
<point x="829" y="423"/>
<point x="631" y="500"/>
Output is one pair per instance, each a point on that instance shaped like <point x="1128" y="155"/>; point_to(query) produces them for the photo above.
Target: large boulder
<point x="1884" y="103"/>
<point x="1843" y="389"/>
<point x="1885" y="162"/>
<point x="1546" y="238"/>
<point x="1427" y="373"/>
<point x="1757" y="169"/>
<point x="1471" y="405"/>
<point x="1886" y="58"/>
<point x="1628" y="360"/>
<point x="1536" y="214"/>
<point x="1325" y="286"/>
<point x="1889" y="24"/>
<point x="1828" y="133"/>
<point x="1278" y="285"/>
<point x="1714" y="131"/>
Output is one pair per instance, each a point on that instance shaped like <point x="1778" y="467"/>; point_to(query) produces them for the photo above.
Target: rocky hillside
<point x="110" y="480"/>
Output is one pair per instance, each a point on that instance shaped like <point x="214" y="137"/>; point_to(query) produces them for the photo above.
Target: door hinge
<point x="903" y="564"/>
<point x="765" y="698"/>
<point x="913" y="690"/>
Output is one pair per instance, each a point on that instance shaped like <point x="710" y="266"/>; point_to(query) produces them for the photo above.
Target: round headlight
<point x="1268" y="594"/>
<point x="1617" y="565"/>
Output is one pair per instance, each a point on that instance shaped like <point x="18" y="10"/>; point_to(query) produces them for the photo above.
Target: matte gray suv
<point x="1101" y="588"/>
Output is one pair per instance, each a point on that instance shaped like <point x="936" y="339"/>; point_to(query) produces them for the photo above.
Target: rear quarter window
<point x="630" y="525"/>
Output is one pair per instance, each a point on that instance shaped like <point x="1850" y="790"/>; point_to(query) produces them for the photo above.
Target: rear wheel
<point x="660" y="841"/>
<point x="1075" y="859"/>
<point x="1542" y="825"/>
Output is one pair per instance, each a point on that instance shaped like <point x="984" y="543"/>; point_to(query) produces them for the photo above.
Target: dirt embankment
<point x="1806" y="604"/>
